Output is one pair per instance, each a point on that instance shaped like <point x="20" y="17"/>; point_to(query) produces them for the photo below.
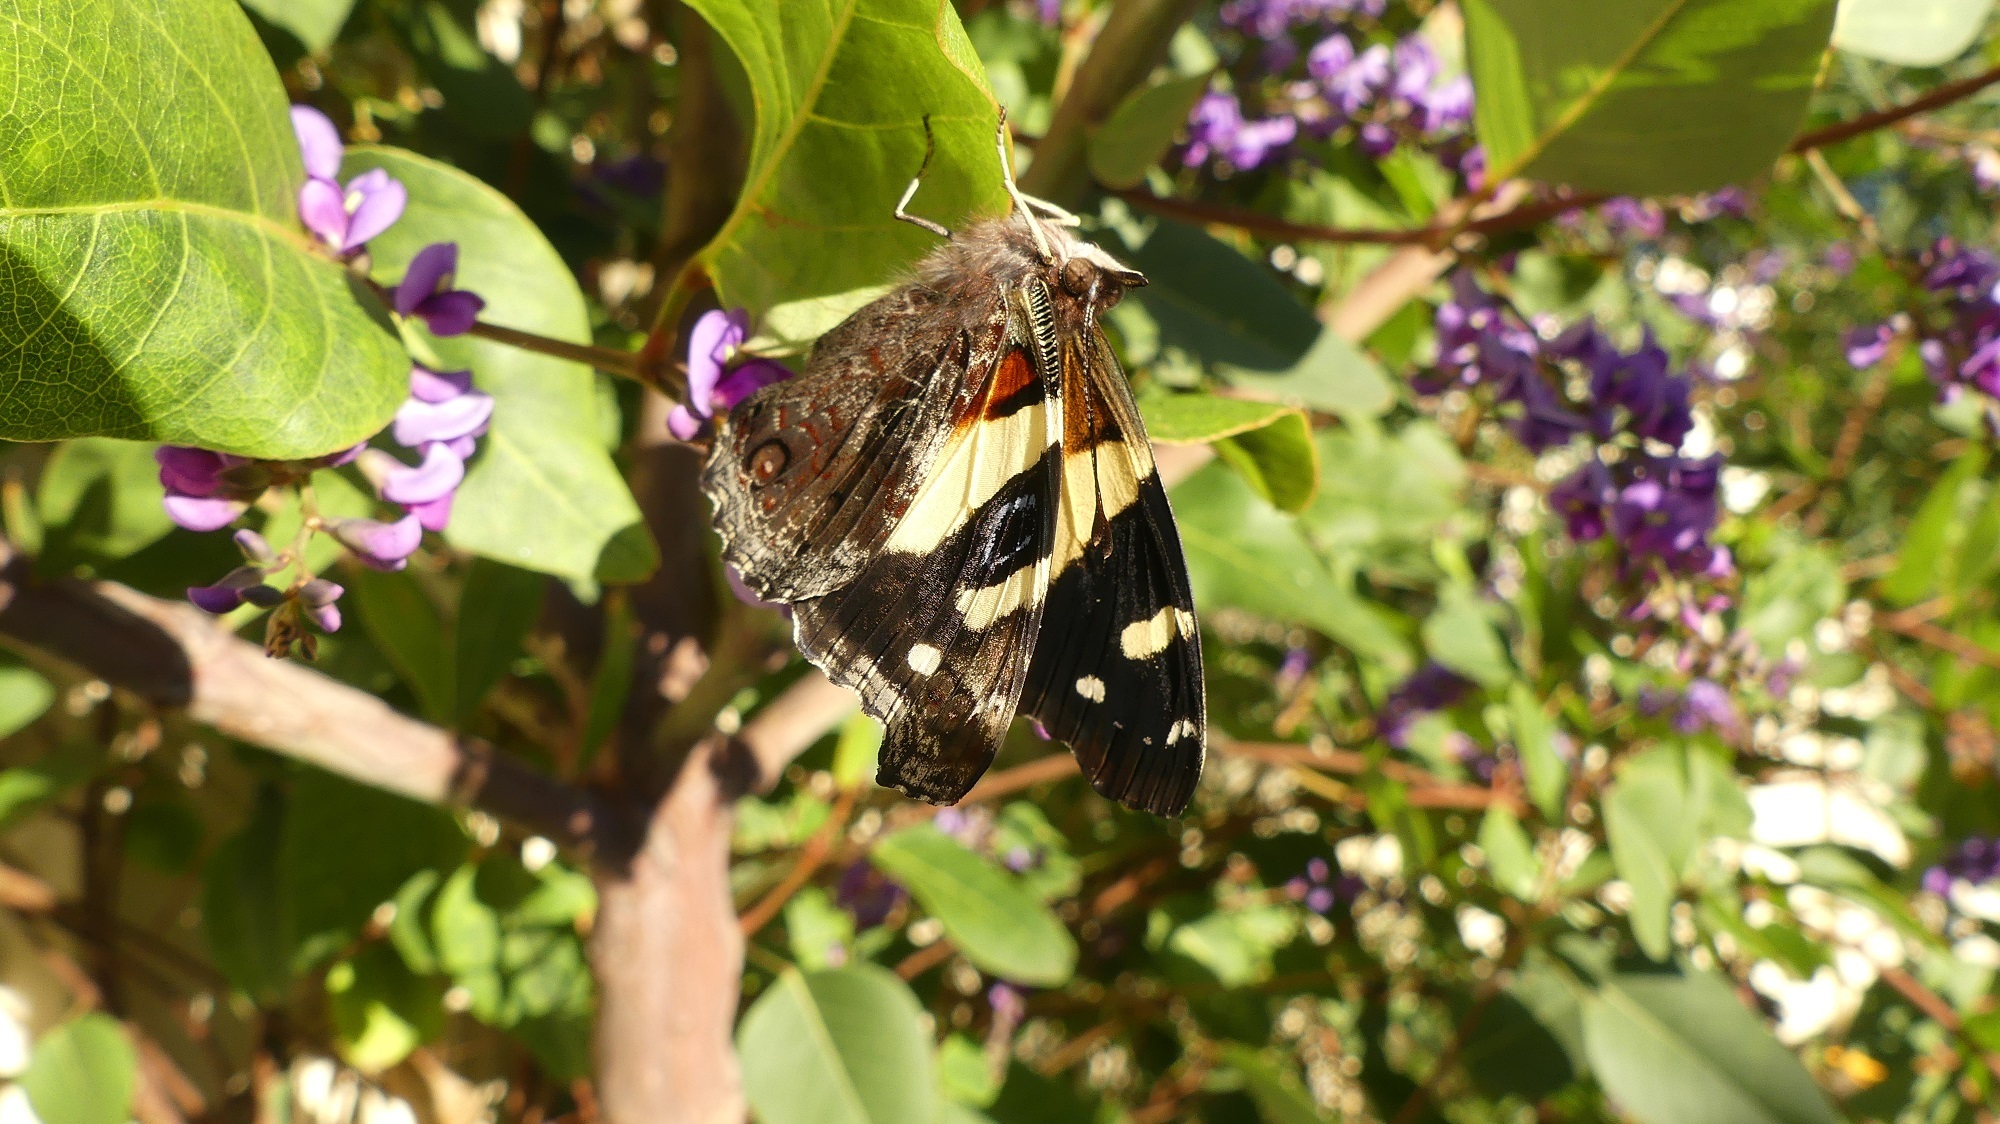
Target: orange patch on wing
<point x="1013" y="374"/>
<point x="1087" y="418"/>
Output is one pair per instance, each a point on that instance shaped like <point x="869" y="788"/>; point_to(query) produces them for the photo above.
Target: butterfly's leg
<point x="1061" y="217"/>
<point x="909" y="193"/>
<point x="1014" y="190"/>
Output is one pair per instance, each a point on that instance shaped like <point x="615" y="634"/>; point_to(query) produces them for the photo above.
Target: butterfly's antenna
<point x="1014" y="191"/>
<point x="909" y="193"/>
<point x="1061" y="217"/>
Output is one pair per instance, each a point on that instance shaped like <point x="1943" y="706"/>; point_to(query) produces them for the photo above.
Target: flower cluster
<point x="713" y="385"/>
<point x="1976" y="860"/>
<point x="441" y="421"/>
<point x="1387" y="95"/>
<point x="1961" y="349"/>
<point x="1432" y="687"/>
<point x="344" y="218"/>
<point x="1320" y="889"/>
<point x="1636" y="487"/>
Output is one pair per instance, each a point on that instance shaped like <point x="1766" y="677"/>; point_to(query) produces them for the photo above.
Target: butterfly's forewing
<point x="936" y="632"/>
<point x="809" y="476"/>
<point x="1117" y="667"/>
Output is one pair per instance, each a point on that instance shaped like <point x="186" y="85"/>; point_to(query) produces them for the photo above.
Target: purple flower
<point x="1009" y="1006"/>
<point x="1707" y="706"/>
<point x="1432" y="687"/>
<point x="383" y="546"/>
<point x="426" y="291"/>
<point x="1319" y="889"/>
<point x="343" y="218"/>
<point x="1634" y="218"/>
<point x="320" y="599"/>
<point x="1840" y="258"/>
<point x="1355" y="85"/>
<point x="226" y="594"/>
<point x="1256" y="141"/>
<point x="1583" y="499"/>
<point x="711" y="387"/>
<point x="436" y="476"/>
<point x="420" y="423"/>
<point x="1656" y="401"/>
<point x="867" y="894"/>
<point x="1446" y="108"/>
<point x="1212" y="126"/>
<point x="1867" y="346"/>
<point x="1976" y="860"/>
<point x="1329" y="57"/>
<point x="206" y="490"/>
<point x="1416" y="67"/>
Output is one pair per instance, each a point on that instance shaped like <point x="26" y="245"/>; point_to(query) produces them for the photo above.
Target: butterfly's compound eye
<point x="767" y="461"/>
<point x="1077" y="276"/>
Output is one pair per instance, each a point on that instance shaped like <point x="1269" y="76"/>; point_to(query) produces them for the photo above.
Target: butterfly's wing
<point x="1117" y="668"/>
<point x="936" y="631"/>
<point x="809" y="476"/>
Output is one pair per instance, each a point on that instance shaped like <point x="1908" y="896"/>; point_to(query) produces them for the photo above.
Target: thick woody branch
<point x="173" y="655"/>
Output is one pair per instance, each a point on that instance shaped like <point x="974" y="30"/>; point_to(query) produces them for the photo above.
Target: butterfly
<point x="958" y="502"/>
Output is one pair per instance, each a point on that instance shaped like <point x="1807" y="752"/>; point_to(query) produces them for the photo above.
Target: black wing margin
<point x="1117" y="667"/>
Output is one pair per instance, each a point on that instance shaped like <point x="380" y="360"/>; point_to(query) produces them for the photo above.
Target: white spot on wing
<point x="924" y="659"/>
<point x="1185" y="728"/>
<point x="1149" y="637"/>
<point x="1091" y="687"/>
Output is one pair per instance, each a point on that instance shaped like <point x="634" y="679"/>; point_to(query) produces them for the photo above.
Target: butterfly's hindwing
<point x="1117" y="667"/>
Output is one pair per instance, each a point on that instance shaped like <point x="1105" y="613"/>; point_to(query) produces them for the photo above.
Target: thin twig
<point x="624" y="364"/>
<point x="810" y="858"/>
<point x="1868" y="122"/>
<point x="1928" y="633"/>
<point x="1933" y="1006"/>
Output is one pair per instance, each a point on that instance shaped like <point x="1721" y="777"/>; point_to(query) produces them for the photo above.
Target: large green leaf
<point x="496" y="608"/>
<point x="99" y="499"/>
<point x="1269" y="443"/>
<point x="1243" y="552"/>
<point x="1682" y="1049"/>
<point x="245" y="913"/>
<point x="996" y="921"/>
<point x="838" y="1047"/>
<point x="1650" y="97"/>
<point x="840" y="89"/>
<point x="1909" y="32"/>
<point x="82" y="1073"/>
<point x="1141" y="130"/>
<point x="24" y="696"/>
<point x="543" y="493"/>
<point x="314" y="23"/>
<point x="150" y="254"/>
<point x="407" y="628"/>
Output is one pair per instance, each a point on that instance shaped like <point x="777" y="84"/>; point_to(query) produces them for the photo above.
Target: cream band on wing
<point x="971" y="470"/>
<point x="1152" y="635"/>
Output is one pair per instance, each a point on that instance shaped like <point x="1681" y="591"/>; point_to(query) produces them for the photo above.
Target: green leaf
<point x="1269" y="444"/>
<point x="1909" y="32"/>
<point x="1141" y="130"/>
<point x="838" y="1047"/>
<point x="1784" y="601"/>
<point x="1924" y="555"/>
<point x="481" y="93"/>
<point x="348" y="848"/>
<point x="856" y="751"/>
<point x="1510" y="855"/>
<point x="1280" y="1096"/>
<point x="817" y="929"/>
<point x="408" y="629"/>
<point x="1664" y="803"/>
<point x="1546" y="773"/>
<point x="149" y="227"/>
<point x="1459" y="634"/>
<point x="1682" y="1049"/>
<point x="496" y="609"/>
<point x="1235" y="315"/>
<point x="1523" y="1043"/>
<point x="245" y="911"/>
<point x="314" y="23"/>
<point x="543" y="493"/>
<point x="25" y="788"/>
<point x="82" y="1072"/>
<point x="613" y="680"/>
<point x="381" y="1010"/>
<point x="839" y="90"/>
<point x="1653" y="97"/>
<point x="1241" y="551"/>
<point x="24" y="697"/>
<point x="998" y="924"/>
<point x="964" y="1076"/>
<point x="99" y="499"/>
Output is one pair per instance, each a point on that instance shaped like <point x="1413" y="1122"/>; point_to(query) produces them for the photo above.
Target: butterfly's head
<point x="1085" y="271"/>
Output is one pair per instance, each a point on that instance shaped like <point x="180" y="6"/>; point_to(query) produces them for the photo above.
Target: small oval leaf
<point x="998" y="924"/>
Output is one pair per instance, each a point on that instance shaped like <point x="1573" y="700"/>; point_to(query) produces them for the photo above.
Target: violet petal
<point x="683" y="423"/>
<point x="327" y="617"/>
<point x="432" y="264"/>
<point x="464" y="447"/>
<point x="320" y="591"/>
<point x="216" y="599"/>
<point x="319" y="142"/>
<point x="451" y="313"/>
<point x="714" y="336"/>
<point x="324" y="212"/>
<point x="384" y="546"/>
<point x="197" y="513"/>
<point x="435" y="477"/>
<point x="418" y="421"/>
<point x="377" y="210"/>
<point x="427" y="385"/>
<point x="746" y="380"/>
<point x="254" y="547"/>
<point x="436" y="514"/>
<point x="188" y="471"/>
<point x="264" y="597"/>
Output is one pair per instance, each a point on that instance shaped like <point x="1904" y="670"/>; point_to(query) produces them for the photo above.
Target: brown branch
<point x="1937" y="1010"/>
<point x="1904" y="624"/>
<point x="1132" y="42"/>
<point x="925" y="958"/>
<point x="810" y="858"/>
<point x="1869" y="122"/>
<point x="173" y="655"/>
<point x="1423" y="788"/>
